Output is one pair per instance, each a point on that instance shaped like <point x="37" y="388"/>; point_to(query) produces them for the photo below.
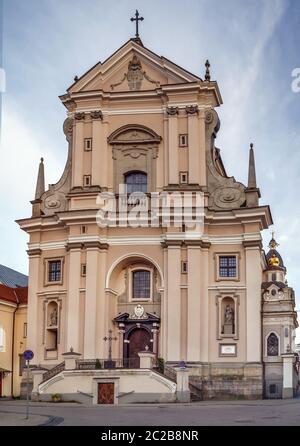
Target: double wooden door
<point x="139" y="340"/>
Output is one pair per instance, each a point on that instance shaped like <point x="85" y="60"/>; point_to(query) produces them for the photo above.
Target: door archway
<point x="139" y="339"/>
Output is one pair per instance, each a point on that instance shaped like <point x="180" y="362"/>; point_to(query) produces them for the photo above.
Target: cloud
<point x="21" y="150"/>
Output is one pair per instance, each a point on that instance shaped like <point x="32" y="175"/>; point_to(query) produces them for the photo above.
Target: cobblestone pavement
<point x="238" y="413"/>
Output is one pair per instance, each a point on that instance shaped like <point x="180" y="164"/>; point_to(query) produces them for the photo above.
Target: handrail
<point x="125" y="394"/>
<point x="54" y="371"/>
<point x="114" y="363"/>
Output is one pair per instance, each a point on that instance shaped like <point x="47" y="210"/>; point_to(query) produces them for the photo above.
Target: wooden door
<point x="0" y="384"/>
<point x="106" y="393"/>
<point x="138" y="340"/>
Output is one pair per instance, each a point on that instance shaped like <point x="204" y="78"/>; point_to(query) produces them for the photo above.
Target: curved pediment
<point x="134" y="134"/>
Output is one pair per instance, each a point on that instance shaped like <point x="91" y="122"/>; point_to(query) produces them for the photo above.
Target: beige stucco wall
<point x="137" y="381"/>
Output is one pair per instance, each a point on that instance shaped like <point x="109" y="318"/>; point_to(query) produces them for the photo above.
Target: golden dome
<point x="274" y="260"/>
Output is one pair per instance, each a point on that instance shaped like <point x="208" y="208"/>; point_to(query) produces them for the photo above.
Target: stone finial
<point x="207" y="72"/>
<point x="40" y="184"/>
<point x="251" y="170"/>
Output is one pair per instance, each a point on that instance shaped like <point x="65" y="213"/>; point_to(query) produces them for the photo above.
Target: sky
<point x="253" y="48"/>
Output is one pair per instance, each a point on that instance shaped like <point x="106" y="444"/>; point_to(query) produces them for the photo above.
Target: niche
<point x="52" y="326"/>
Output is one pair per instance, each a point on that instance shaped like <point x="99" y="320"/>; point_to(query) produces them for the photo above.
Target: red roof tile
<point x="15" y="295"/>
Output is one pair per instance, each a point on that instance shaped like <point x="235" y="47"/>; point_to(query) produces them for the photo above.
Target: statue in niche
<point x="53" y="317"/>
<point x="228" y="327"/>
<point x="229" y="314"/>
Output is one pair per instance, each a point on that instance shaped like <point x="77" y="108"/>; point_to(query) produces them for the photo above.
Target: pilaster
<point x="92" y="267"/>
<point x="173" y="154"/>
<point x="73" y="314"/>
<point x="78" y="152"/>
<point x="253" y="302"/>
<point x="194" y="303"/>
<point x="194" y="149"/>
<point x="173" y="304"/>
<point x="33" y="326"/>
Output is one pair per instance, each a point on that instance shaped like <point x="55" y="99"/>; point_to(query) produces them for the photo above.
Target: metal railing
<point x="98" y="364"/>
<point x="54" y="371"/>
<point x="169" y="372"/>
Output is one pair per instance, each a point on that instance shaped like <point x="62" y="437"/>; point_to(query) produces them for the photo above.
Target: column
<point x="102" y="306"/>
<point x="121" y="340"/>
<point x="34" y="324"/>
<point x="78" y="148"/>
<point x="164" y="309"/>
<point x="253" y="303"/>
<point x="165" y="145"/>
<point x="194" y="149"/>
<point x="204" y="327"/>
<point x="202" y="149"/>
<point x="104" y="159"/>
<point x="90" y="338"/>
<point x="96" y="152"/>
<point x="173" y="150"/>
<point x="73" y="314"/>
<point x="194" y="303"/>
<point x="173" y="305"/>
<point x="155" y="338"/>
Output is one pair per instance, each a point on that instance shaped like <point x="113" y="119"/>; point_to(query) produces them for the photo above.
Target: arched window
<point x="141" y="284"/>
<point x="2" y="339"/>
<point x="272" y="345"/>
<point x="136" y="182"/>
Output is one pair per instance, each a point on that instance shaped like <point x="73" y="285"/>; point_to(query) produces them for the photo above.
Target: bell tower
<point x="279" y="322"/>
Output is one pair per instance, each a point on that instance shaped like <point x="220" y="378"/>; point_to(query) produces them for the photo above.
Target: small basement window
<point x="87" y="180"/>
<point x="184" y="267"/>
<point x="88" y="144"/>
<point x="183" y="140"/>
<point x="83" y="270"/>
<point x="183" y="178"/>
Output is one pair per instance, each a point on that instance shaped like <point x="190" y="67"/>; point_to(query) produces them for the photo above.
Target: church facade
<point x="206" y="295"/>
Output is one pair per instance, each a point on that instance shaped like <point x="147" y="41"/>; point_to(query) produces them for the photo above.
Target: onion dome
<point x="273" y="257"/>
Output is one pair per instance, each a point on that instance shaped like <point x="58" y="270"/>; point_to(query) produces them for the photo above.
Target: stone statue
<point x="229" y="314"/>
<point x="228" y="327"/>
<point x="53" y="317"/>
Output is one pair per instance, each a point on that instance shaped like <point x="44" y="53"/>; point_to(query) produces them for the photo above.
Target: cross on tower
<point x="136" y="20"/>
<point x="110" y="338"/>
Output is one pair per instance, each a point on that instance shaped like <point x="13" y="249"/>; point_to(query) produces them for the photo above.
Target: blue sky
<point x="252" y="47"/>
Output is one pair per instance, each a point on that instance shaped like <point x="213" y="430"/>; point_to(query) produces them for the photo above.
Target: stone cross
<point x="110" y="338"/>
<point x="136" y="20"/>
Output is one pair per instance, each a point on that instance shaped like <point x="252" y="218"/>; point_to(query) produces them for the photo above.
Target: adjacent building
<point x="13" y="330"/>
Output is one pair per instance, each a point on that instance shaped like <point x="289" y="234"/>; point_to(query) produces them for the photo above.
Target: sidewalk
<point x="18" y="419"/>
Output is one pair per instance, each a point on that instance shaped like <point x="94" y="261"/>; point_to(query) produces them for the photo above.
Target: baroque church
<point x="118" y="313"/>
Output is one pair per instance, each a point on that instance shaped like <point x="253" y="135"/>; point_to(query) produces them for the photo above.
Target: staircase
<point x="195" y="389"/>
<point x="54" y="371"/>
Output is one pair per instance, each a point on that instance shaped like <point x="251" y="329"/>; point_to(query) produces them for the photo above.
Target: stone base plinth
<point x="228" y="329"/>
<point x="227" y="381"/>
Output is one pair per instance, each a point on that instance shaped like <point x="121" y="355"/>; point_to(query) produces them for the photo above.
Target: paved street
<point x="238" y="413"/>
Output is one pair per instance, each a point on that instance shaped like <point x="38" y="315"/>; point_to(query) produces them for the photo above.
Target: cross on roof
<point x="136" y="20"/>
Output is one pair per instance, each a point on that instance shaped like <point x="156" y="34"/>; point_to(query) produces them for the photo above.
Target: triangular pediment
<point x="132" y="68"/>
